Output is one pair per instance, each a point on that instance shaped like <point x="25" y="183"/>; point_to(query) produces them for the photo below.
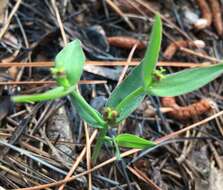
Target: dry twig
<point x="206" y="15"/>
<point x="6" y="25"/>
<point x="120" y="13"/>
<point x="143" y="177"/>
<point x="122" y="75"/>
<point x="125" y="154"/>
<point x="187" y="112"/>
<point x="126" y="42"/>
<point x="88" y="155"/>
<point x="216" y="13"/>
<point x="174" y="46"/>
<point x="60" y="23"/>
<point x="77" y="162"/>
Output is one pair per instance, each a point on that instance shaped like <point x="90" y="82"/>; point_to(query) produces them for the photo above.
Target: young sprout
<point x="144" y="80"/>
<point x="159" y="74"/>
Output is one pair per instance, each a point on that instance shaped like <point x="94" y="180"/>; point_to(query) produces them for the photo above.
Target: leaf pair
<point x="130" y="93"/>
<point x="143" y="80"/>
<point x="71" y="60"/>
<point x="68" y="69"/>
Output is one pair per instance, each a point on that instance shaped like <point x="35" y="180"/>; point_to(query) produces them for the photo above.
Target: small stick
<point x="122" y="75"/>
<point x="130" y="7"/>
<point x="206" y="15"/>
<point x="191" y="52"/>
<point x="187" y="112"/>
<point x="60" y="23"/>
<point x="143" y="177"/>
<point x="77" y="162"/>
<point x="120" y="13"/>
<point x="126" y="42"/>
<point x="6" y="25"/>
<point x="145" y="5"/>
<point x="216" y="12"/>
<point x="174" y="46"/>
<point x="88" y="156"/>
<point x="125" y="154"/>
<point x="216" y="155"/>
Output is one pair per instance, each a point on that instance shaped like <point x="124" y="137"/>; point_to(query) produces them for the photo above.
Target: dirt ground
<point x="41" y="142"/>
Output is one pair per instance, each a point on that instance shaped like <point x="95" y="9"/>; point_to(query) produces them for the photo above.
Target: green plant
<point x="143" y="80"/>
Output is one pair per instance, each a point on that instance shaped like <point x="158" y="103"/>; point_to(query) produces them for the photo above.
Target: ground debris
<point x="52" y="133"/>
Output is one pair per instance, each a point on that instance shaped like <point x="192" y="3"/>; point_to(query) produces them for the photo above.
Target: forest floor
<point x="41" y="142"/>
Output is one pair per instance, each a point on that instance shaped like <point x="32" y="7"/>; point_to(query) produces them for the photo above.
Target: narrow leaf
<point x="185" y="81"/>
<point x="71" y="58"/>
<point x="52" y="94"/>
<point x="82" y="108"/>
<point x="131" y="83"/>
<point x="152" y="52"/>
<point x="133" y="141"/>
<point x="139" y="77"/>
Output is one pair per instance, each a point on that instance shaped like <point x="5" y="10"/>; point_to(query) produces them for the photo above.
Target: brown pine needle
<point x="125" y="154"/>
<point x="108" y="64"/>
<point x="49" y="82"/>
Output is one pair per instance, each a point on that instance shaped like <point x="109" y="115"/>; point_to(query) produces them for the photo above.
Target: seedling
<point x="143" y="80"/>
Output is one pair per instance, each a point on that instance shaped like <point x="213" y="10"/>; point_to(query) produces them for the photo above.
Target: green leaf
<point x="86" y="112"/>
<point x="152" y="52"/>
<point x="52" y="94"/>
<point x="139" y="77"/>
<point x="133" y="141"/>
<point x="71" y="58"/>
<point x="129" y="85"/>
<point x="185" y="81"/>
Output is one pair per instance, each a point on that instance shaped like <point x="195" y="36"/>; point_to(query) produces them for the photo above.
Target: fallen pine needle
<point x="106" y="63"/>
<point x="124" y="154"/>
<point x="49" y="82"/>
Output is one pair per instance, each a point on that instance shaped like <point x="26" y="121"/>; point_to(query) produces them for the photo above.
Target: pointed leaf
<point x="152" y="52"/>
<point x="52" y="94"/>
<point x="139" y="77"/>
<point x="185" y="81"/>
<point x="83" y="112"/>
<point x="133" y="141"/>
<point x="71" y="58"/>
<point x="131" y="83"/>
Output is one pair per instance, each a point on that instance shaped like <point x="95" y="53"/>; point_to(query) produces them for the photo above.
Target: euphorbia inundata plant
<point x="143" y="80"/>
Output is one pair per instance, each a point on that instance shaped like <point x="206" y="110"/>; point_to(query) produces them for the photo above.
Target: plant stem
<point x="88" y="108"/>
<point x="100" y="141"/>
<point x="128" y="99"/>
<point x="117" y="151"/>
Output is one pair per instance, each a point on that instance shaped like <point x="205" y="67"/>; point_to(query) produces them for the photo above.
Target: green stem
<point x="88" y="108"/>
<point x="117" y="151"/>
<point x="128" y="99"/>
<point x="99" y="143"/>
